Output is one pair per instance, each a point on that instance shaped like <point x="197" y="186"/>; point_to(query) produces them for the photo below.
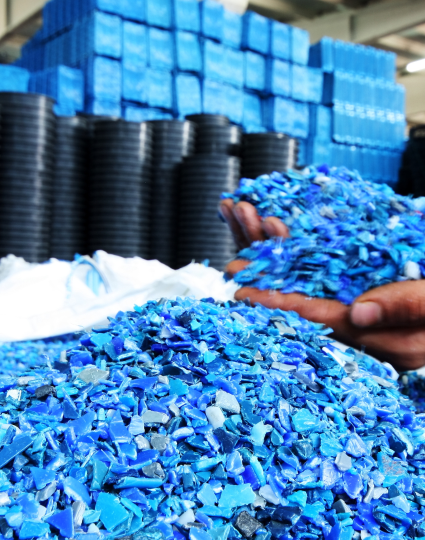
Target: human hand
<point x="388" y="322"/>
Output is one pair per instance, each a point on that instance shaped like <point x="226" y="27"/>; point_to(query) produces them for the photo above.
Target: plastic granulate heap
<point x="348" y="235"/>
<point x="195" y="420"/>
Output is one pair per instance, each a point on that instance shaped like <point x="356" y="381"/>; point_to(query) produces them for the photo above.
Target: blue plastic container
<point x="159" y="13"/>
<point x="135" y="46"/>
<point x="255" y="71"/>
<point x="103" y="79"/>
<point x="13" y="79"/>
<point x="133" y="10"/>
<point x="301" y="123"/>
<point x="188" y="52"/>
<point x="144" y="114"/>
<point x="232" y="29"/>
<point x="233" y="67"/>
<point x="315" y="85"/>
<point x="159" y="88"/>
<point x="279" y="115"/>
<point x="233" y="99"/>
<point x="300" y="45"/>
<point x="318" y="152"/>
<point x="280" y="40"/>
<point x="212" y="19"/>
<point x="134" y="87"/>
<point x="300" y="83"/>
<point x="66" y="86"/>
<point x="212" y="97"/>
<point x="322" y="55"/>
<point x="102" y="35"/>
<point x="320" y="122"/>
<point x="253" y="114"/>
<point x="256" y="32"/>
<point x="161" y="49"/>
<point x="101" y="107"/>
<point x="187" y="95"/>
<point x="279" y="77"/>
<point x="186" y="15"/>
<point x="213" y="60"/>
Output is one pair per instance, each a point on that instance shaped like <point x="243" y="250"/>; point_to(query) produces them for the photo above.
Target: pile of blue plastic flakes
<point x="204" y="421"/>
<point x="347" y="235"/>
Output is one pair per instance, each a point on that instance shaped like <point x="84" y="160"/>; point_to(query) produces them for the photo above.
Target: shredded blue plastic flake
<point x="347" y="235"/>
<point x="195" y="420"/>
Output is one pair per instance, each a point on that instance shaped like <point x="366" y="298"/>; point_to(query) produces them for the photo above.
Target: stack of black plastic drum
<point x="412" y="172"/>
<point x="203" y="179"/>
<point x="264" y="153"/>
<point x="172" y="142"/>
<point x="120" y="188"/>
<point x="26" y="173"/>
<point x="69" y="207"/>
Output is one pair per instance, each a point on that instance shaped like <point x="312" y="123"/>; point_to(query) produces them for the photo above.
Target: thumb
<point x="395" y="304"/>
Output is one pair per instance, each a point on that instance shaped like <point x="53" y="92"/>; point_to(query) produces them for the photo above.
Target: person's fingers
<point x="402" y="347"/>
<point x="328" y="312"/>
<point x="227" y="211"/>
<point x="395" y="304"/>
<point x="250" y="222"/>
<point x="236" y="266"/>
<point x="274" y="227"/>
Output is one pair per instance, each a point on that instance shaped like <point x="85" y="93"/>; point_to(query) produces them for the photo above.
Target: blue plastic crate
<point x="253" y="114"/>
<point x="233" y="67"/>
<point x="279" y="77"/>
<point x="212" y="19"/>
<point x="279" y="114"/>
<point x="256" y="32"/>
<point x="159" y="13"/>
<point x="233" y="100"/>
<point x="232" y="29"/>
<point x="107" y="6"/>
<point x="135" y="45"/>
<point x="144" y="114"/>
<point x="322" y="55"/>
<point x="103" y="79"/>
<point x="188" y="52"/>
<point x="315" y="85"/>
<point x="159" y="88"/>
<point x="101" y="107"/>
<point x="186" y="15"/>
<point x="13" y="79"/>
<point x="318" y="152"/>
<point x="66" y="86"/>
<point x="103" y="35"/>
<point x="301" y="120"/>
<point x="213" y="60"/>
<point x="280" y="40"/>
<point x="133" y="10"/>
<point x="300" y="45"/>
<point x="212" y="97"/>
<point x="320" y="122"/>
<point x="300" y="82"/>
<point x="255" y="71"/>
<point x="134" y="85"/>
<point x="187" y="95"/>
<point x="64" y="110"/>
<point x="161" y="49"/>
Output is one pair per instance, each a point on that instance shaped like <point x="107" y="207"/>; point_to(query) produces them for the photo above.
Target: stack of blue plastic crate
<point x="145" y="59"/>
<point x="361" y="123"/>
<point x="149" y="59"/>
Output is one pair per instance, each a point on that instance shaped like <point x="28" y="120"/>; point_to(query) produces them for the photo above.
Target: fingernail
<point x="366" y="314"/>
<point x="224" y="211"/>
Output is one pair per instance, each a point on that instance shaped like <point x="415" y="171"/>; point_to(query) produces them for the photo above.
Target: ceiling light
<point x="417" y="65"/>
